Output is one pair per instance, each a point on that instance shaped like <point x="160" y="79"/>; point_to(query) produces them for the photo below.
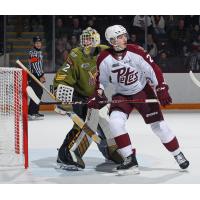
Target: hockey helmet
<point x="89" y="38"/>
<point x="112" y="32"/>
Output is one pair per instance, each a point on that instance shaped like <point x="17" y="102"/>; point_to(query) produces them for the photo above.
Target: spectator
<point x="76" y="28"/>
<point x="74" y="42"/>
<point x="60" y="30"/>
<point x="61" y="53"/>
<point x="139" y="22"/>
<point x="151" y="46"/>
<point x="91" y="23"/>
<point x="179" y="38"/>
<point x="35" y="23"/>
<point x="196" y="44"/>
<point x="195" y="32"/>
<point x="158" y="24"/>
<point x="164" y="62"/>
<point x="132" y="39"/>
<point x="194" y="61"/>
<point x="164" y="47"/>
<point x="66" y="43"/>
<point x="191" y="21"/>
<point x="139" y="27"/>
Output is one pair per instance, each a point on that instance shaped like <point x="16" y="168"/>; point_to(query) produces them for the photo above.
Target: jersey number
<point x="67" y="66"/>
<point x="149" y="58"/>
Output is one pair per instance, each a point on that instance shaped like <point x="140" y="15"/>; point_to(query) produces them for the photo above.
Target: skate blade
<point x="183" y="170"/>
<point x="131" y="171"/>
<point x="67" y="167"/>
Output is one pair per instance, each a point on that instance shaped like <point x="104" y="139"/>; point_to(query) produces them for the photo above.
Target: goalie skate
<point x="72" y="163"/>
<point x="67" y="167"/>
<point x="128" y="167"/>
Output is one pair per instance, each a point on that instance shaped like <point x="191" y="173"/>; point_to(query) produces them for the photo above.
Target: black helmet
<point x="37" y="39"/>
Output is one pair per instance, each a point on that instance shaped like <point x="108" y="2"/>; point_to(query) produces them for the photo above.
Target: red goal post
<point x="13" y="117"/>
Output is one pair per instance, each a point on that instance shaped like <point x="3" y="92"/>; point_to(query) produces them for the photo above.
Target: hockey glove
<point x="97" y="101"/>
<point x="163" y="95"/>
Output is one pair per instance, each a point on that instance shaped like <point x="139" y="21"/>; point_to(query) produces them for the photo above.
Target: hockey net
<point x="13" y="118"/>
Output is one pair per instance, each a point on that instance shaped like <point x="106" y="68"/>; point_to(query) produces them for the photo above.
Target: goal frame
<point x="20" y="114"/>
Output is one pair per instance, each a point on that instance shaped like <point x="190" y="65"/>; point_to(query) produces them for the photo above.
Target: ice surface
<point x="156" y="164"/>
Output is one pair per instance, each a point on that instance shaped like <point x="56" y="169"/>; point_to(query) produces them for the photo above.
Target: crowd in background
<point x="172" y="41"/>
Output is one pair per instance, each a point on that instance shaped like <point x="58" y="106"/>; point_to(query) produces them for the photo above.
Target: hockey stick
<point x="194" y="79"/>
<point x="32" y="95"/>
<point x="103" y="102"/>
<point x="75" y="118"/>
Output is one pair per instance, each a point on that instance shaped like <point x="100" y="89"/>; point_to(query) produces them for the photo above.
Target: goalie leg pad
<point x="69" y="158"/>
<point x="66" y="154"/>
<point x="108" y="146"/>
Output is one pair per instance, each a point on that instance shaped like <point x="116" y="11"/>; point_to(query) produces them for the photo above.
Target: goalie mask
<point x="112" y="35"/>
<point x="89" y="38"/>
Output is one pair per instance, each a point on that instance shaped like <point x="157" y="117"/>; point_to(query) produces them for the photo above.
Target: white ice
<point x="156" y="164"/>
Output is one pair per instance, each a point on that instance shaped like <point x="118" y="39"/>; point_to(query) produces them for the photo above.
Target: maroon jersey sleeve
<point x="139" y="50"/>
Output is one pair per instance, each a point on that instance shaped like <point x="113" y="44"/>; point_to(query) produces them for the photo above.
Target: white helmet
<point x="89" y="38"/>
<point x="112" y="32"/>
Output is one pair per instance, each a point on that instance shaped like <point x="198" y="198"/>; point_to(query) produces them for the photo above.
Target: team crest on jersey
<point x="85" y="65"/>
<point x="126" y="75"/>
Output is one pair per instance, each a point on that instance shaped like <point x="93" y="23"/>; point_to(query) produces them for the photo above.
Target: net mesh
<point x="11" y="117"/>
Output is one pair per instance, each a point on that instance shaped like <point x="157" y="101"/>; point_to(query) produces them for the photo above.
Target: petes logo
<point x="126" y="75"/>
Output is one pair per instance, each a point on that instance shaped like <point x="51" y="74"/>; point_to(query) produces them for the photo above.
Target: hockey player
<point x="130" y="69"/>
<point x="79" y="73"/>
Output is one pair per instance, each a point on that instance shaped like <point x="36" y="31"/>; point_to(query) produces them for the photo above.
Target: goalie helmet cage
<point x="13" y="118"/>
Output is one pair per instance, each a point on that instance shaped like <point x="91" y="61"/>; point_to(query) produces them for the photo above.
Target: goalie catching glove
<point x="163" y="94"/>
<point x="98" y="100"/>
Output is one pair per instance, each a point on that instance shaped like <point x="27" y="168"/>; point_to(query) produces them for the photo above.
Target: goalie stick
<point x="194" y="79"/>
<point x="75" y="118"/>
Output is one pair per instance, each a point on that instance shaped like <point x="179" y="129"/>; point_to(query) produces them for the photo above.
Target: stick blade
<point x="32" y="95"/>
<point x="194" y="79"/>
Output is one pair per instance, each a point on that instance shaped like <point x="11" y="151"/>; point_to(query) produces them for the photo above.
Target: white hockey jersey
<point x="129" y="74"/>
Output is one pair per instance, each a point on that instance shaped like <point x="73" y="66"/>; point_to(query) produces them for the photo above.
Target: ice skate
<point x="40" y="116"/>
<point x="37" y="116"/>
<point x="182" y="161"/>
<point x="69" y="161"/>
<point x="128" y="167"/>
